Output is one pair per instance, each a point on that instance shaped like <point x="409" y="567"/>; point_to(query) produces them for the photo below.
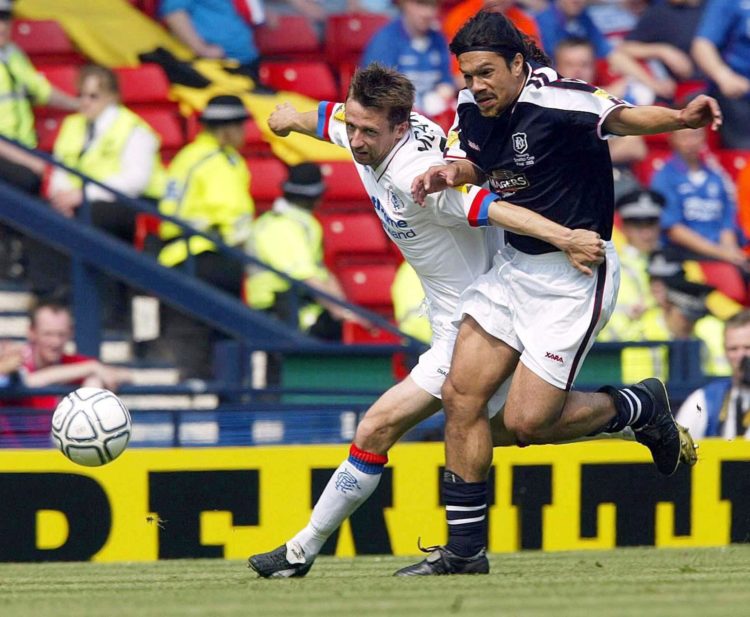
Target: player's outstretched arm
<point x="286" y="119"/>
<point x="440" y="177"/>
<point x="650" y="119"/>
<point x="582" y="247"/>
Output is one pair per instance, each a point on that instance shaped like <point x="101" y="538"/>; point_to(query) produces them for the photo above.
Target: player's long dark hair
<point x="489" y="30"/>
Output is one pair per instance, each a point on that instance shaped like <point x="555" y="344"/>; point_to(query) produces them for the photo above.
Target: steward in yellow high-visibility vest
<point x="408" y="302"/>
<point x="20" y="87"/>
<point x="290" y="239"/>
<point x="639" y="212"/>
<point x="208" y="186"/>
<point x="683" y="316"/>
<point x="111" y="144"/>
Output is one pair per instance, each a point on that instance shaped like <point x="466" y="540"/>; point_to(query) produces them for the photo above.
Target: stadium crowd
<point x="683" y="203"/>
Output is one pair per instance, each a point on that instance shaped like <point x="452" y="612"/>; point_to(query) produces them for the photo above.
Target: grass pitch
<point x="624" y="582"/>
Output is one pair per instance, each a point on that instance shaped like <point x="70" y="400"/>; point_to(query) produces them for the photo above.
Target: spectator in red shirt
<point x="43" y="362"/>
<point x="46" y="362"/>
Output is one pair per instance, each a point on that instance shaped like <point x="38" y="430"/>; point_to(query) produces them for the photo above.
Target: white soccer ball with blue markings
<point x="91" y="426"/>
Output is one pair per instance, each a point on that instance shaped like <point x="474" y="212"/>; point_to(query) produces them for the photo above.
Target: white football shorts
<point x="544" y="308"/>
<point x="434" y="364"/>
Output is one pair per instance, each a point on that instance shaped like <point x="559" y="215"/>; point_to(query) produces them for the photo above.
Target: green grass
<point x="624" y="582"/>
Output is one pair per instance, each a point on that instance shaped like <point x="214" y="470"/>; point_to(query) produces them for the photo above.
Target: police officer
<point x="290" y="239"/>
<point x="208" y="186"/>
<point x="640" y="212"/>
<point x="20" y="85"/>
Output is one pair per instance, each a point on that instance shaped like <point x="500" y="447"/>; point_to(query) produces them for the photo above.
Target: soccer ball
<point x="91" y="426"/>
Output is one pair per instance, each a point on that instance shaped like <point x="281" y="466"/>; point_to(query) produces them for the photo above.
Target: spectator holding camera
<point x="722" y="407"/>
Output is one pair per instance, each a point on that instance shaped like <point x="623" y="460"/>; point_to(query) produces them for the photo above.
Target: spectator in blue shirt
<point x="722" y="49"/>
<point x="566" y="19"/>
<point x="215" y="29"/>
<point x="700" y="215"/>
<point x="414" y="45"/>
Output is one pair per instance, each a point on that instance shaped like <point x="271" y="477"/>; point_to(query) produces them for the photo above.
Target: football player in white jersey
<point x="390" y="146"/>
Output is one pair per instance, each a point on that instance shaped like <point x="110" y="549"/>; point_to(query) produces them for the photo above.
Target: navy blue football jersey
<point x="546" y="152"/>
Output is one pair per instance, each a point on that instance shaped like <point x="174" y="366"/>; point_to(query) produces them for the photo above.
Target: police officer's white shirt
<point x="436" y="240"/>
<point x="693" y="414"/>
<point x="135" y="171"/>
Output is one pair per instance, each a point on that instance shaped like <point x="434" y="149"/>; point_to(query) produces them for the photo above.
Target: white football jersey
<point x="437" y="240"/>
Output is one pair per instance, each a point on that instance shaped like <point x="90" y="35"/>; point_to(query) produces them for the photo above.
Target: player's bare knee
<point x="528" y="429"/>
<point x="459" y="403"/>
<point x="376" y="433"/>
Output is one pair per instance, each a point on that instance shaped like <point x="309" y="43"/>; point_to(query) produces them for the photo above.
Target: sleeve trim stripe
<point x="325" y="110"/>
<point x="479" y="208"/>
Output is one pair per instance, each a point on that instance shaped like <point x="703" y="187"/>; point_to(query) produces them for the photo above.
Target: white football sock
<point x="347" y="489"/>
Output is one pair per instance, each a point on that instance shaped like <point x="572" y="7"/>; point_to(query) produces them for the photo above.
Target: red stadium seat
<point x="348" y="34"/>
<point x="343" y="183"/>
<point x="369" y="285"/>
<point x="293" y="36"/>
<point x="355" y="334"/>
<point x="313" y="79"/>
<point x="354" y="235"/>
<point x="688" y="89"/>
<point x="47" y="128"/>
<point x="265" y="184"/>
<point x="64" y="78"/>
<point x="45" y="42"/>
<point x="145" y="225"/>
<point x="144" y="87"/>
<point x="654" y="161"/>
<point x="734" y="161"/>
<point x="149" y="7"/>
<point x="169" y="127"/>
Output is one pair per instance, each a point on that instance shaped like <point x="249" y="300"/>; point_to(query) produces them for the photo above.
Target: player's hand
<point x="434" y="180"/>
<point x="701" y="111"/>
<point x="584" y="250"/>
<point x="282" y="119"/>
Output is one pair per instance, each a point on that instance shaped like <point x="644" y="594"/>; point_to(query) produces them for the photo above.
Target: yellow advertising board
<point x="231" y="502"/>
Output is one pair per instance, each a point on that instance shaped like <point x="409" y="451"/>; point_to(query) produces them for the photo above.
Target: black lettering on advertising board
<point x="634" y="489"/>
<point x="179" y="497"/>
<point x="532" y="489"/>
<point x="735" y="488"/>
<point x="81" y="499"/>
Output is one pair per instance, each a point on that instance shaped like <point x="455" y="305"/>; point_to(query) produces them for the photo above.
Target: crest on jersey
<point x="520" y="144"/>
<point x="395" y="200"/>
<point x="340" y="114"/>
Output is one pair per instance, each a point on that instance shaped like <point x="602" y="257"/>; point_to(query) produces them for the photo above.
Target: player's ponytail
<point x="490" y="30"/>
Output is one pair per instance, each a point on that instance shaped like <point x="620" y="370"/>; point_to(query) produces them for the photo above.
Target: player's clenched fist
<point x="282" y="120"/>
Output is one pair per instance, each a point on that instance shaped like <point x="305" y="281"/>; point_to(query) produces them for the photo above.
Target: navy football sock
<point x="633" y="407"/>
<point x="466" y="513"/>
